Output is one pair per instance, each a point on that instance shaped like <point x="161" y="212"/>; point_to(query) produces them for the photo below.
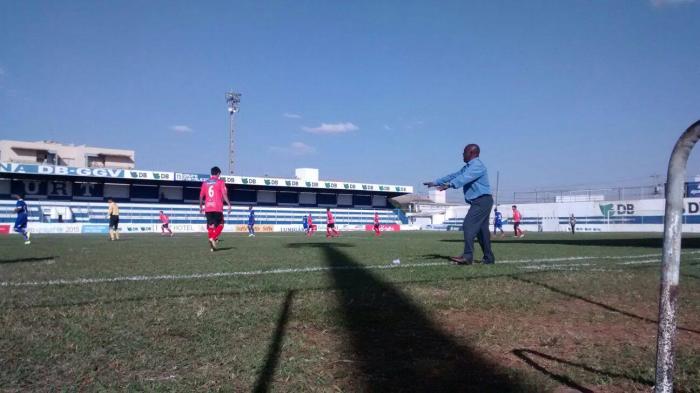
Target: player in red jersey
<point x="376" y="225"/>
<point x="311" y="226"/>
<point x="211" y="202"/>
<point x="330" y="224"/>
<point x="166" y="224"/>
<point x="516" y="222"/>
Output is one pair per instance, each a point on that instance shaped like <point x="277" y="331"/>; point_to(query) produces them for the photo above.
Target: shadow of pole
<point x="398" y="348"/>
<point x="273" y="353"/>
<point x="562" y="379"/>
<point x="527" y="356"/>
<point x="595" y="303"/>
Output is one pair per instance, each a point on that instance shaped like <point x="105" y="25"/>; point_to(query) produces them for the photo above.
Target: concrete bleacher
<point x="138" y="213"/>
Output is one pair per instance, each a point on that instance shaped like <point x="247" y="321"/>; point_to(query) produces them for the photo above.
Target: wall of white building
<point x="644" y="215"/>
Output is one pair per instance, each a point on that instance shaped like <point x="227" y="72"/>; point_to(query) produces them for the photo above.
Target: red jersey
<point x="164" y="219"/>
<point x="310" y="221"/>
<point x="213" y="191"/>
<point x="516" y="216"/>
<point x="376" y="218"/>
<point x="329" y="217"/>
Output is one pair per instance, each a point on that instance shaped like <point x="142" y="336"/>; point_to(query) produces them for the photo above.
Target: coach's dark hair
<point x="515" y="206"/>
<point x="215" y="171"/>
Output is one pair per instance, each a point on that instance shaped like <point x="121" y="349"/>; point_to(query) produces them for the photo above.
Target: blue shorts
<point x="21" y="222"/>
<point x="499" y="225"/>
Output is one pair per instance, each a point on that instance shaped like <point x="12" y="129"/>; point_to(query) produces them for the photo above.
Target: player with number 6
<point x="211" y="202"/>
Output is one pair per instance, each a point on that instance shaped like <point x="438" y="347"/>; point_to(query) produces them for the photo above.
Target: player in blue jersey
<point x="305" y="223"/>
<point x="22" y="218"/>
<point x="498" y="222"/>
<point x="251" y="222"/>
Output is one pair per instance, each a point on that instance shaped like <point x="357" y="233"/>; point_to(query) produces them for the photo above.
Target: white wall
<point x="644" y="215"/>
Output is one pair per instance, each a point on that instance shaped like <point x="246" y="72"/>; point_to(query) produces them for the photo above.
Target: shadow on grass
<point x="437" y="256"/>
<point x="35" y="259"/>
<point x="239" y="292"/>
<point x="398" y="348"/>
<point x="562" y="379"/>
<point x="528" y="356"/>
<point x="320" y="245"/>
<point x="596" y="303"/>
<point x="647" y="242"/>
<point x="273" y="353"/>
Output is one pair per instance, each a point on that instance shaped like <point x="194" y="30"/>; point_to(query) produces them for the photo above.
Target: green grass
<point x="351" y="321"/>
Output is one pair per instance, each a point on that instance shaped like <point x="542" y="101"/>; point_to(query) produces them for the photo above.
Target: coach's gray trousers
<point x="476" y="224"/>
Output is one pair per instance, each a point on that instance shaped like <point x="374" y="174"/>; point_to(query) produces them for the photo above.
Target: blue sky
<point x="557" y="93"/>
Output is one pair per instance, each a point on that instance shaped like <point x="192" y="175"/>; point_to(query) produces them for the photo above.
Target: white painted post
<point x="670" y="268"/>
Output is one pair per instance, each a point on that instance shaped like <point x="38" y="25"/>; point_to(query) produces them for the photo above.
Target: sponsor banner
<point x="138" y="228"/>
<point x="54" y="228"/>
<point x="384" y="227"/>
<point x="692" y="189"/>
<point x="4" y="229"/>
<point x="288" y="228"/>
<point x="258" y="228"/>
<point x="150" y="175"/>
<point x="279" y="182"/>
<point x="95" y="228"/>
<point x="348" y="228"/>
<point x="190" y="177"/>
<point x="37" y="169"/>
<point x="187" y="227"/>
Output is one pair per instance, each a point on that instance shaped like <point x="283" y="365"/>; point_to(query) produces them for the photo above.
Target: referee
<point x="113" y="215"/>
<point x="474" y="180"/>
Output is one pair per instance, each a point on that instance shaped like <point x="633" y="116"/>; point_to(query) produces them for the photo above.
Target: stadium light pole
<point x="233" y="101"/>
<point x="671" y="259"/>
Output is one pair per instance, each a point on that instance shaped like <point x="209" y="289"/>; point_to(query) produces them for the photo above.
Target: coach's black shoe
<point x="460" y="261"/>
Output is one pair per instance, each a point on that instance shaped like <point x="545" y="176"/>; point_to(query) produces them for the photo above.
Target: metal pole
<point x="498" y="174"/>
<point x="673" y="230"/>
<point x="231" y="143"/>
<point x="233" y="100"/>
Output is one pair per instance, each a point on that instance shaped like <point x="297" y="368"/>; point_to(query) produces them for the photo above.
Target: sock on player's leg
<point x="23" y="232"/>
<point x="217" y="231"/>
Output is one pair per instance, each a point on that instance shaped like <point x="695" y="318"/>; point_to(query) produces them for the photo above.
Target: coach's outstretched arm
<point x="466" y="175"/>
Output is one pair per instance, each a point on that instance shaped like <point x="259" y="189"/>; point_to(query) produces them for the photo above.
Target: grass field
<point x="281" y="312"/>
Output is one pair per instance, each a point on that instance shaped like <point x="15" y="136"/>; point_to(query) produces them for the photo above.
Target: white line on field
<point x="195" y="276"/>
<point x="574" y="266"/>
<point x="592" y="257"/>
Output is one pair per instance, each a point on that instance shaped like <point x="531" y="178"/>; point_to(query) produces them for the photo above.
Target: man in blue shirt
<point x="22" y="218"/>
<point x="251" y="222"/>
<point x="474" y="181"/>
<point x="498" y="222"/>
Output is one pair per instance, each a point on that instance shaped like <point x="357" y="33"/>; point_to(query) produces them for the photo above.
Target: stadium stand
<point x="142" y="213"/>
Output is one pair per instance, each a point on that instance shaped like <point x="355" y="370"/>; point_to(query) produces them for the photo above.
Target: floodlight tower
<point x="233" y="100"/>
